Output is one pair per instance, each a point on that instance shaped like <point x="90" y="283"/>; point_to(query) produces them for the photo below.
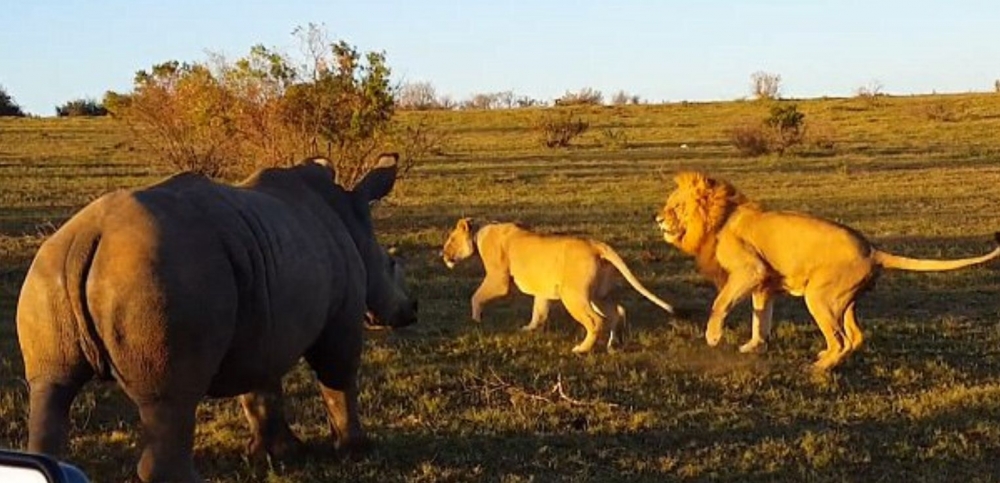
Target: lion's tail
<point x="889" y="260"/>
<point x="611" y="256"/>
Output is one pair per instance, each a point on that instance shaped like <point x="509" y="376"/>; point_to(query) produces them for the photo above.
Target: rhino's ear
<point x="380" y="180"/>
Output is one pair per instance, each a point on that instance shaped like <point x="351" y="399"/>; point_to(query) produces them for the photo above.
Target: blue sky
<point x="52" y="51"/>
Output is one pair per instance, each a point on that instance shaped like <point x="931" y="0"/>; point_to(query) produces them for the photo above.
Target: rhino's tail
<point x="79" y="258"/>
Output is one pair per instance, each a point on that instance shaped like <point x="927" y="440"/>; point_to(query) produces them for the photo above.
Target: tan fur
<point x="579" y="272"/>
<point x="747" y="250"/>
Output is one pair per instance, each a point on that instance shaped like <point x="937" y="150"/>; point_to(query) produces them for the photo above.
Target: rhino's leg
<point x="168" y="424"/>
<point x="336" y="358"/>
<point x="270" y="434"/>
<point x="48" y="420"/>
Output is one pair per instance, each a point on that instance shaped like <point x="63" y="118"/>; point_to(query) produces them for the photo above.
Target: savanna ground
<point x="450" y="400"/>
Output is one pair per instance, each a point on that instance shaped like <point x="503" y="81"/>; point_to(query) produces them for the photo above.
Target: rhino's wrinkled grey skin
<point x="190" y="288"/>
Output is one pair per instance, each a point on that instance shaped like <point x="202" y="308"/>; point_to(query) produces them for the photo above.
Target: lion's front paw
<point x="754" y="346"/>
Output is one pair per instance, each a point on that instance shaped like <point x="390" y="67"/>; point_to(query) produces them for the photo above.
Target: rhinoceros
<point x="189" y="288"/>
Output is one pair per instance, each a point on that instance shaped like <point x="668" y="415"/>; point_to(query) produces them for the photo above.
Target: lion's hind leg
<point x="829" y="313"/>
<point x="579" y="306"/>
<point x="854" y="335"/>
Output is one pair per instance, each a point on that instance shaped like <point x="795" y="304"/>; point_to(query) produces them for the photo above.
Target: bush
<point x="266" y="109"/>
<point x="81" y="107"/>
<point x="583" y="97"/>
<point x="9" y="108"/>
<point x="750" y="139"/>
<point x="871" y="94"/>
<point x="622" y="98"/>
<point x="615" y="138"/>
<point x="417" y="96"/>
<point x="557" y="130"/>
<point x="787" y="127"/>
<point x="765" y="86"/>
<point x="941" y="111"/>
<point x="781" y="130"/>
<point x="418" y="139"/>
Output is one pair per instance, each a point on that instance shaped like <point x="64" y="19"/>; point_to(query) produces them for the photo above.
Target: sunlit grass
<point x="450" y="400"/>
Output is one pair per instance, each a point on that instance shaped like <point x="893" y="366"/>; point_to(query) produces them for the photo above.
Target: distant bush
<point x="615" y="138"/>
<point x="787" y="127"/>
<point x="418" y="138"/>
<point x="525" y="101"/>
<point x="482" y="101"/>
<point x="765" y="86"/>
<point x="996" y="85"/>
<point x="9" y="108"/>
<point x="583" y="97"/>
<point x="780" y="131"/>
<point x="422" y="96"/>
<point x="417" y="96"/>
<point x="941" y="111"/>
<point x="622" y="98"/>
<point x="750" y="139"/>
<point x="559" y="128"/>
<point x="81" y="107"/>
<point x="871" y="94"/>
<point x="265" y="109"/>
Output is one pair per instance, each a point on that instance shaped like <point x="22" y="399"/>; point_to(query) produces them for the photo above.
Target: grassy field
<point x="450" y="400"/>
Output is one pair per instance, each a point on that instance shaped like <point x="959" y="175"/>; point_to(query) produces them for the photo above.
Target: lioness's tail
<point x="889" y="260"/>
<point x="610" y="255"/>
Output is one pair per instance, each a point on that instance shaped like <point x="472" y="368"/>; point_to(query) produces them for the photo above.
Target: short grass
<point x="450" y="400"/>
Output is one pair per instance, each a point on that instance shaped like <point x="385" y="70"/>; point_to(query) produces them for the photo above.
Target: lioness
<point x="579" y="272"/>
<point x="746" y="250"/>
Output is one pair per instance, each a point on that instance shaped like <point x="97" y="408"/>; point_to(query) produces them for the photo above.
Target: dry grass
<point x="449" y="400"/>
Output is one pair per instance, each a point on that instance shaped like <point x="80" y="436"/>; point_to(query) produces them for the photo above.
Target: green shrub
<point x="9" y="108"/>
<point x="81" y="107"/>
<point x="787" y="127"/>
<point x="265" y="109"/>
<point x="782" y="129"/>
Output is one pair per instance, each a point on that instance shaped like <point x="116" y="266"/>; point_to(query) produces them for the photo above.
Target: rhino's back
<point x="188" y="280"/>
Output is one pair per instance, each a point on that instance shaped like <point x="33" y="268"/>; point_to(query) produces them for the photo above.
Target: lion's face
<point x="673" y="216"/>
<point x="460" y="243"/>
<point x="695" y="209"/>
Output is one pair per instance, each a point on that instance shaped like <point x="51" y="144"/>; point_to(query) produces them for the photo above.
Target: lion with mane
<point x="747" y="250"/>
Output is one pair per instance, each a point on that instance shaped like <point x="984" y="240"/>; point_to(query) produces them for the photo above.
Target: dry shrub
<point x="942" y="111"/>
<point x="765" y="86"/>
<point x="557" y="130"/>
<point x="750" y="139"/>
<point x="871" y="94"/>
<point x="583" y="97"/>
<point x="615" y="138"/>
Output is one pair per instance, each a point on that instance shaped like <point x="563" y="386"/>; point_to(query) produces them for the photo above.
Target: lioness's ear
<point x="380" y="180"/>
<point x="464" y="224"/>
